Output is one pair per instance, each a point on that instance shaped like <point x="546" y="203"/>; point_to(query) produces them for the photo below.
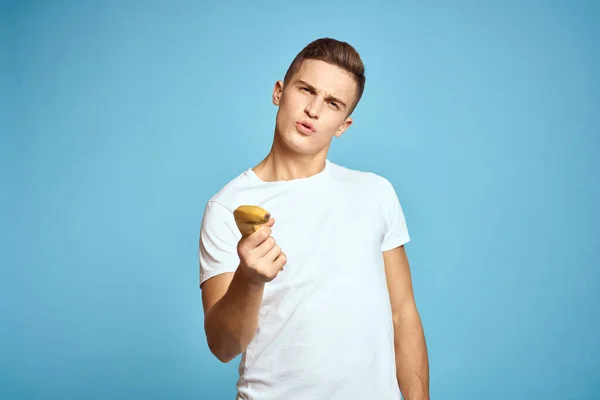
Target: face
<point x="313" y="107"/>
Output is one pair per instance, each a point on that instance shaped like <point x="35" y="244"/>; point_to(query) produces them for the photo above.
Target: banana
<point x="249" y="218"/>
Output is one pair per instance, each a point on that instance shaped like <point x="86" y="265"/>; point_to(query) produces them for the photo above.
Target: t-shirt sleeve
<point x="219" y="237"/>
<point x="396" y="231"/>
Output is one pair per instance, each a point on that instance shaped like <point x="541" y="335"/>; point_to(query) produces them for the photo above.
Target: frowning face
<point x="313" y="107"/>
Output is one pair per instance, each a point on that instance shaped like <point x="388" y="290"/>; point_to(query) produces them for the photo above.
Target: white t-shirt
<point x="325" y="327"/>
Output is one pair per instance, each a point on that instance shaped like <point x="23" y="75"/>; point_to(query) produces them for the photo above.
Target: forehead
<point x="330" y="79"/>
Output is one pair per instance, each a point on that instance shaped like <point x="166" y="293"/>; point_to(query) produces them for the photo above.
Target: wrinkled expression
<point x="314" y="106"/>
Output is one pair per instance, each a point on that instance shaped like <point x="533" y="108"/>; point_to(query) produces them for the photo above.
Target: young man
<point x="319" y="301"/>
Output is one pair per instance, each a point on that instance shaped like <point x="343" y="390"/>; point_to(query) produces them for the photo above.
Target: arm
<point x="231" y="305"/>
<point x="232" y="300"/>
<point x="412" y="364"/>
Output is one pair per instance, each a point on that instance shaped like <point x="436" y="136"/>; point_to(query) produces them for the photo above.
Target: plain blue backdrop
<point x="120" y="119"/>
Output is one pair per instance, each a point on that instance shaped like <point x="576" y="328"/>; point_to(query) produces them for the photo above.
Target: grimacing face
<point x="313" y="107"/>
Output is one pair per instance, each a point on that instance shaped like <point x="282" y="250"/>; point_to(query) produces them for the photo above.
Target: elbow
<point x="221" y="344"/>
<point x="223" y="356"/>
<point x="220" y="351"/>
<point x="407" y="315"/>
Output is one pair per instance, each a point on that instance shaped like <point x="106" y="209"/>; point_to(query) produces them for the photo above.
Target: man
<point x="319" y="301"/>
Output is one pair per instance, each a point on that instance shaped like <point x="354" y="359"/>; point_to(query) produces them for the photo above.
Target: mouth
<point x="306" y="127"/>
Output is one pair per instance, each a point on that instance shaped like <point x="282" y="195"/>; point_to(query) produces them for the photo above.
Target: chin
<point x="298" y="143"/>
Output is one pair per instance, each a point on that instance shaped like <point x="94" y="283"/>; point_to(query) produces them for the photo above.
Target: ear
<point x="343" y="127"/>
<point x="277" y="91"/>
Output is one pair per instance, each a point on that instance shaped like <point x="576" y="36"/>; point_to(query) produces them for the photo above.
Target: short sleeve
<point x="219" y="237"/>
<point x="396" y="231"/>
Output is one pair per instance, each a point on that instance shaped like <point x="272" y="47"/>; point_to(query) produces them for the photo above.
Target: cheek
<point x="332" y="122"/>
<point x="286" y="99"/>
<point x="289" y="109"/>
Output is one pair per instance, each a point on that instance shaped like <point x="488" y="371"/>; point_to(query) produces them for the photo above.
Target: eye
<point x="333" y="103"/>
<point x="305" y="88"/>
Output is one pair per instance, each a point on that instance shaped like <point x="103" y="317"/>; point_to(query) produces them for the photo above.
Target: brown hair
<point x="333" y="52"/>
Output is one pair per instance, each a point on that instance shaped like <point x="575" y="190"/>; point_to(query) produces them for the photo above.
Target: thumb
<point x="261" y="232"/>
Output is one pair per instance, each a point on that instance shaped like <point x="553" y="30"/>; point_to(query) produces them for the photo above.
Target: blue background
<point x="121" y="118"/>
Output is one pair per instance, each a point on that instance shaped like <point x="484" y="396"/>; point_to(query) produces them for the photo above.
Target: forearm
<point x="231" y="323"/>
<point x="412" y="363"/>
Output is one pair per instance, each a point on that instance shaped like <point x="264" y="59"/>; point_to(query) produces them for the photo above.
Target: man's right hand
<point x="261" y="258"/>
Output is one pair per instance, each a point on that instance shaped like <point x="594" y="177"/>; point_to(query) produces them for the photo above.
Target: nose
<point x="313" y="108"/>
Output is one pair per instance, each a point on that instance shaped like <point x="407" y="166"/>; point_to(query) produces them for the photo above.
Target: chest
<point x="331" y="238"/>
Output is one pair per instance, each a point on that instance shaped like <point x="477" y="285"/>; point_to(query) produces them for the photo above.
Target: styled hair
<point x="335" y="52"/>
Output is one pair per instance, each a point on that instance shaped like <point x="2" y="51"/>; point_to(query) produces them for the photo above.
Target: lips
<point x="306" y="126"/>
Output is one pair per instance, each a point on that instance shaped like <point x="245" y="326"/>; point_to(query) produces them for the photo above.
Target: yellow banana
<point x="249" y="218"/>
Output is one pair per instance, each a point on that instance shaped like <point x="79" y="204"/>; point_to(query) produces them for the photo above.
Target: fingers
<point x="273" y="253"/>
<point x="280" y="261"/>
<point x="261" y="233"/>
<point x="265" y="247"/>
<point x="268" y="224"/>
<point x="270" y="251"/>
<point x="260" y="253"/>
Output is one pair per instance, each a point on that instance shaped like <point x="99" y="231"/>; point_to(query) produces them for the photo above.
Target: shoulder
<point x="362" y="179"/>
<point x="231" y="194"/>
<point x="217" y="218"/>
<point x="372" y="188"/>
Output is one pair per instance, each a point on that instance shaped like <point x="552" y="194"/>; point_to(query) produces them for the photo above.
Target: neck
<point x="281" y="164"/>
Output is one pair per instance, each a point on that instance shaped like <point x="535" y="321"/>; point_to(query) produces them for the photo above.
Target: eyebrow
<point x="314" y="89"/>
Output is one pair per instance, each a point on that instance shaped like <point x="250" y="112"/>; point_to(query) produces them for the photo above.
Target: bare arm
<point x="232" y="300"/>
<point x="231" y="305"/>
<point x="412" y="363"/>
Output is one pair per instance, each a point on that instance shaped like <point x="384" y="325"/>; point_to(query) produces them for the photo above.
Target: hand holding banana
<point x="261" y="258"/>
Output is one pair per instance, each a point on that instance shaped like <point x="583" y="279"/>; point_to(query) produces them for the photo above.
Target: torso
<point x="325" y="328"/>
